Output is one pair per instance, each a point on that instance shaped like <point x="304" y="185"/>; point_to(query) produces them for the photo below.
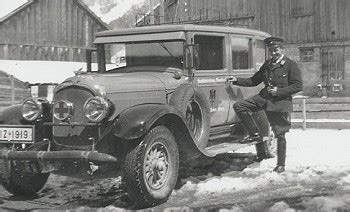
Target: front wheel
<point x="24" y="178"/>
<point x="151" y="168"/>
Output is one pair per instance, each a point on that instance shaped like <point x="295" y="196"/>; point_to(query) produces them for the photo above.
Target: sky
<point x="6" y="6"/>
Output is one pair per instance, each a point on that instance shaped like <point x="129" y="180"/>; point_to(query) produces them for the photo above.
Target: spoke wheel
<point x="156" y="168"/>
<point x="151" y="168"/>
<point x="194" y="118"/>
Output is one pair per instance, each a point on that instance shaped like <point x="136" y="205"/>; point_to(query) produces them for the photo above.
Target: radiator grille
<point x="74" y="135"/>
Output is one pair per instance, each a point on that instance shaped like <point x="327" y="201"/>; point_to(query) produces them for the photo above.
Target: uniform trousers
<point x="279" y="122"/>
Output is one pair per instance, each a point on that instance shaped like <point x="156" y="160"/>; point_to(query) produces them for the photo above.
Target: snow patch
<point x="233" y="209"/>
<point x="280" y="206"/>
<point x="231" y="184"/>
<point x="324" y="204"/>
<point x="310" y="159"/>
<point x="224" y="184"/>
<point x="345" y="180"/>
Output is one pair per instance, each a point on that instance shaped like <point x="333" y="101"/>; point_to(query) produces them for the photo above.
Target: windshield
<point x="159" y="53"/>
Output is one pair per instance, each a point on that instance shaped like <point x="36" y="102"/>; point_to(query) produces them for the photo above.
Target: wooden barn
<point x="317" y="32"/>
<point x="58" y="30"/>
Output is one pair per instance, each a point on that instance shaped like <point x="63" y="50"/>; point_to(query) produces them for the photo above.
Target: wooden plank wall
<point x="48" y="30"/>
<point x="299" y="21"/>
<point x="188" y="10"/>
<point x="12" y="90"/>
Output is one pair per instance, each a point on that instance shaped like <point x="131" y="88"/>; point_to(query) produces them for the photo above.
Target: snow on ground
<point x="40" y="71"/>
<point x="312" y="156"/>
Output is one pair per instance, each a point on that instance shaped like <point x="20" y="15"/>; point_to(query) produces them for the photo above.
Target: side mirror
<point x="89" y="53"/>
<point x="191" y="53"/>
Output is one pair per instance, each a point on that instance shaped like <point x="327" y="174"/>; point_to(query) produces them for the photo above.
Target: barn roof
<point x="45" y="71"/>
<point x="29" y="2"/>
<point x="5" y="74"/>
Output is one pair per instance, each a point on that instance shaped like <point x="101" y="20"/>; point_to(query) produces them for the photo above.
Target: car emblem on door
<point x="63" y="110"/>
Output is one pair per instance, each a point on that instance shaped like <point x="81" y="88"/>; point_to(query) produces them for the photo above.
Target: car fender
<point x="12" y="115"/>
<point x="135" y="122"/>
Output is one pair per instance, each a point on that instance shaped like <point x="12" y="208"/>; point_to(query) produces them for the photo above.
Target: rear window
<point x="260" y="53"/>
<point x="241" y="54"/>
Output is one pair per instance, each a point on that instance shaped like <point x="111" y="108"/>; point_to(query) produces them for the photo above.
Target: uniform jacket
<point x="285" y="75"/>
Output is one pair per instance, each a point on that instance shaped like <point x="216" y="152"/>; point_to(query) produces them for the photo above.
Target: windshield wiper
<point x="166" y="49"/>
<point x="115" y="69"/>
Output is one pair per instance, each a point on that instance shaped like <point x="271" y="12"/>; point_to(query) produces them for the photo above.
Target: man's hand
<point x="231" y="79"/>
<point x="272" y="91"/>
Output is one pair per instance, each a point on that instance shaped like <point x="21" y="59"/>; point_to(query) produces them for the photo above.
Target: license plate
<point x="24" y="134"/>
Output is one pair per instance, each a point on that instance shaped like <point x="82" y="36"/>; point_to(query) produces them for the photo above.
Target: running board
<point x="226" y="147"/>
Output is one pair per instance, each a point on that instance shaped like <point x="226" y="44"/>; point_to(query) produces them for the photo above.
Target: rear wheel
<point x="194" y="107"/>
<point x="151" y="168"/>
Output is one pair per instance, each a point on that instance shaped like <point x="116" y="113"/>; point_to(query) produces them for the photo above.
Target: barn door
<point x="332" y="65"/>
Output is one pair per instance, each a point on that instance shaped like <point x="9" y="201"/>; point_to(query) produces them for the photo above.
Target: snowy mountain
<point x="110" y="10"/>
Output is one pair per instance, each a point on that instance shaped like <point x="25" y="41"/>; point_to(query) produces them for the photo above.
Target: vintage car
<point x="157" y="99"/>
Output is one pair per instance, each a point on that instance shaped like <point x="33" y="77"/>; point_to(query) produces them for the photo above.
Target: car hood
<point x="147" y="78"/>
<point x="114" y="83"/>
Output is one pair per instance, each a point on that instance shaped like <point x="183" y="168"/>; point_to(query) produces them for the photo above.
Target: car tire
<point x="24" y="178"/>
<point x="151" y="168"/>
<point x="266" y="149"/>
<point x="194" y="107"/>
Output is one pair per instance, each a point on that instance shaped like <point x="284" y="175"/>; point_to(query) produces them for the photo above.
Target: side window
<point x="210" y="52"/>
<point x="260" y="53"/>
<point x="241" y="54"/>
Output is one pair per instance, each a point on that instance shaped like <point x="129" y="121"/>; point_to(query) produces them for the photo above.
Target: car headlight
<point x="96" y="109"/>
<point x="31" y="109"/>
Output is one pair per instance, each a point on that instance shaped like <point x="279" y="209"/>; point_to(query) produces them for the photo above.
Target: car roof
<point x="182" y="27"/>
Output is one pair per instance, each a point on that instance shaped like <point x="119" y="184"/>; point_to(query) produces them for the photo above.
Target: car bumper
<point x="47" y="156"/>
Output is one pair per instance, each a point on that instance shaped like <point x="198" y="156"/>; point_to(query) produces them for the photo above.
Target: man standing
<point x="282" y="79"/>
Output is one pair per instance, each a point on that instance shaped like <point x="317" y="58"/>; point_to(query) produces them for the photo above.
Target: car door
<point x="212" y="73"/>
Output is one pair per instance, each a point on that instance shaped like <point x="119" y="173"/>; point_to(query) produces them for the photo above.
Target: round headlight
<point x="31" y="109"/>
<point x="96" y="109"/>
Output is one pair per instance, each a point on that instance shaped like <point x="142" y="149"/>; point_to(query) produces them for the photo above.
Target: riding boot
<point x="250" y="125"/>
<point x="281" y="154"/>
